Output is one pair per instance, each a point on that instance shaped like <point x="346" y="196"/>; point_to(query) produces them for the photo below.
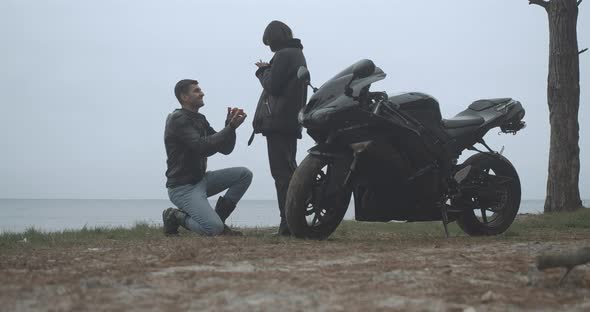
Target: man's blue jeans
<point x="192" y="198"/>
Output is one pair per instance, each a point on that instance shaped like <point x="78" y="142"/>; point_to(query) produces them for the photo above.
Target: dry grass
<point x="525" y="228"/>
<point x="363" y="266"/>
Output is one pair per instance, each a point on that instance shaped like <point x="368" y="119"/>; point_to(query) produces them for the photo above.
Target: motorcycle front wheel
<point x="491" y="199"/>
<point x="317" y="199"/>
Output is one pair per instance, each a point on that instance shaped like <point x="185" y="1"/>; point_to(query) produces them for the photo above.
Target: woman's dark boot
<point x="284" y="228"/>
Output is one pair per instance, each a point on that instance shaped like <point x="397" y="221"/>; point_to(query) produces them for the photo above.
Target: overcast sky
<point x="85" y="86"/>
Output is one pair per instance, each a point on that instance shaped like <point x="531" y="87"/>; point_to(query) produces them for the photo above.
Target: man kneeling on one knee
<point x="189" y="140"/>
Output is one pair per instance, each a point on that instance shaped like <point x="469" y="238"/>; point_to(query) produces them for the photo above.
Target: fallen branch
<point x="582" y="51"/>
<point x="568" y="260"/>
<point x="564" y="259"/>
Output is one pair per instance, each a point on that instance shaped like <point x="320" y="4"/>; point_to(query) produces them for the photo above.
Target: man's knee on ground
<point x="214" y="227"/>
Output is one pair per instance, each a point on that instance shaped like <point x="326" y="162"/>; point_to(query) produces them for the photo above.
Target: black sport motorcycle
<point x="400" y="159"/>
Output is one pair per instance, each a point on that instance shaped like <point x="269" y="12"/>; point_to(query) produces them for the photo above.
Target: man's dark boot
<point x="224" y="208"/>
<point x="284" y="228"/>
<point x="170" y="223"/>
<point x="173" y="218"/>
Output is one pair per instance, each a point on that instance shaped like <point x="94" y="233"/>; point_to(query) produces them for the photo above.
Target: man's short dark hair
<point x="182" y="87"/>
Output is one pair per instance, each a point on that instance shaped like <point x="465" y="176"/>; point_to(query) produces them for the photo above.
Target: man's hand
<point x="235" y="117"/>
<point x="229" y="115"/>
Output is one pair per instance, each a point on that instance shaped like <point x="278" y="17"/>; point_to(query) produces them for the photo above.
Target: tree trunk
<point x="563" y="96"/>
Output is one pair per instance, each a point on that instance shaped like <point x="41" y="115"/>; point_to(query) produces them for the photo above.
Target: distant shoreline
<point x="18" y="215"/>
<point x="212" y="197"/>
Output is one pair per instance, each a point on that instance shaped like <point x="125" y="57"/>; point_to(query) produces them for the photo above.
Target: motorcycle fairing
<point x="330" y="101"/>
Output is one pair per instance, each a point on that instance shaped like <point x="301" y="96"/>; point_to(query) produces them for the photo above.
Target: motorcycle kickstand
<point x="445" y="219"/>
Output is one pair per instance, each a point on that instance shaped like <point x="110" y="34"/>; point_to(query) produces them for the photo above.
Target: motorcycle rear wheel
<point x="492" y="208"/>
<point x="316" y="199"/>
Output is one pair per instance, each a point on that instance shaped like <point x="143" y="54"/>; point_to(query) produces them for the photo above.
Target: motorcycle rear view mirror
<point x="303" y="75"/>
<point x="362" y="69"/>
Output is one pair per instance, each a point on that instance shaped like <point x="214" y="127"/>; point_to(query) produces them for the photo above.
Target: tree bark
<point x="563" y="97"/>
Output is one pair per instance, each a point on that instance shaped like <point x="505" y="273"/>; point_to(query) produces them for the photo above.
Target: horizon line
<point x="72" y="198"/>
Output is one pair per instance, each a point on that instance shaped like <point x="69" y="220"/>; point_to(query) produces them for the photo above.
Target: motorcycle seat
<point x="472" y="116"/>
<point x="483" y="104"/>
<point x="463" y="119"/>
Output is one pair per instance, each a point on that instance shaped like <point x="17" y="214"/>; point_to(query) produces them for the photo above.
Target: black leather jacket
<point x="283" y="95"/>
<point x="189" y="140"/>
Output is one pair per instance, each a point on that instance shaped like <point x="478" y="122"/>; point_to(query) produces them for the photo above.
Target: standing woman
<point x="282" y="98"/>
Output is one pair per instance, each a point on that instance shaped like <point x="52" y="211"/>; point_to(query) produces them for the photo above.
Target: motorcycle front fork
<point x="348" y="180"/>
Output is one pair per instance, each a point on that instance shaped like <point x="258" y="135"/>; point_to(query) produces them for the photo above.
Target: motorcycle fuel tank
<point x="418" y="105"/>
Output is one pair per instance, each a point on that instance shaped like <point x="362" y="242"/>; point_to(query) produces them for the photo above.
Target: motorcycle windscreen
<point x="330" y="99"/>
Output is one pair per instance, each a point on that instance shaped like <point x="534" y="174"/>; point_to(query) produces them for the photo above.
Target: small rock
<point x="469" y="309"/>
<point x="488" y="296"/>
<point x="532" y="277"/>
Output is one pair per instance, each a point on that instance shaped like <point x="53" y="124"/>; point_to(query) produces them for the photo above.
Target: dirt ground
<point x="252" y="273"/>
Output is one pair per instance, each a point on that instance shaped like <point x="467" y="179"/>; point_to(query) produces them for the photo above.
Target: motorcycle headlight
<point x="360" y="146"/>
